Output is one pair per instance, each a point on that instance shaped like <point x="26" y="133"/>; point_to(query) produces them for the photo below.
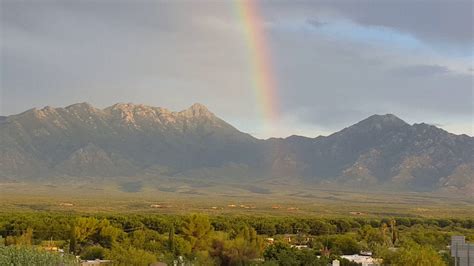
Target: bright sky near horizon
<point x="270" y="68"/>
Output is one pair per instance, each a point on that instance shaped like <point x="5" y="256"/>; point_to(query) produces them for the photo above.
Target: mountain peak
<point x="80" y="106"/>
<point x="387" y="120"/>
<point x="136" y="108"/>
<point x="374" y="123"/>
<point x="122" y="106"/>
<point x="197" y="109"/>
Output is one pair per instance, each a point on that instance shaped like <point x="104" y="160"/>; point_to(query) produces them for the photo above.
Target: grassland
<point x="182" y="198"/>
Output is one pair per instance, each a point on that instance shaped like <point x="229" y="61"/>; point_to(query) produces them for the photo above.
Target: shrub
<point x="12" y="255"/>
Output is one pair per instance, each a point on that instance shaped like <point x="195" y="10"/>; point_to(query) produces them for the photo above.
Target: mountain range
<point x="128" y="140"/>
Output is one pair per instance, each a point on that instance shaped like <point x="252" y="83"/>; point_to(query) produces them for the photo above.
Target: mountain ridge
<point x="132" y="139"/>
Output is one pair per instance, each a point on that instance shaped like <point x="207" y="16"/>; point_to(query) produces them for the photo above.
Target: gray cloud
<point x="173" y="54"/>
<point x="339" y="83"/>
<point x="107" y="52"/>
<point x="437" y="21"/>
<point x="421" y="70"/>
<point x="316" y="22"/>
<point x="445" y="21"/>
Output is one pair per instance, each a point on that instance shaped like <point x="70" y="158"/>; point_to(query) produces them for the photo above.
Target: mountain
<point x="53" y="141"/>
<point x="385" y="149"/>
<point x="127" y="140"/>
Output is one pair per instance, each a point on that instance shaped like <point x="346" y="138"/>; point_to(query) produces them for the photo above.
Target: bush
<point x="11" y="255"/>
<point x="413" y="254"/>
<point x="130" y="256"/>
<point x="92" y="253"/>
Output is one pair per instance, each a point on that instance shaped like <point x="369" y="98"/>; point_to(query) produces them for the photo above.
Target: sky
<point x="333" y="63"/>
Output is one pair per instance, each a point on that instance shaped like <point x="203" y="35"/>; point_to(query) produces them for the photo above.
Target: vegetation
<point x="223" y="240"/>
<point x="12" y="255"/>
<point x="413" y="255"/>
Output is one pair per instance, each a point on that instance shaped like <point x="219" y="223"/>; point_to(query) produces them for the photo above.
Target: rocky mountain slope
<point x="138" y="140"/>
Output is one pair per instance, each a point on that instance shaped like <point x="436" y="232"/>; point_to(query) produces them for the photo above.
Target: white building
<point x="364" y="260"/>
<point x="462" y="252"/>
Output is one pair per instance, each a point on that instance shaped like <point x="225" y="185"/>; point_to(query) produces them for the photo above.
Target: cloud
<point x="316" y="22"/>
<point x="335" y="62"/>
<point x="119" y="52"/>
<point x="437" y="124"/>
<point x="437" y="21"/>
<point x="335" y="83"/>
<point x="420" y="70"/>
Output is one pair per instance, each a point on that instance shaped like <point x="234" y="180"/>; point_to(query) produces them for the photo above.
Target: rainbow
<point x="263" y="80"/>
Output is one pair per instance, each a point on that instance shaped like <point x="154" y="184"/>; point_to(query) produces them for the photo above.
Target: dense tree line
<point x="232" y="240"/>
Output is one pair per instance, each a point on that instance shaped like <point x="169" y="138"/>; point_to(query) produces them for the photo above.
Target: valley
<point x="219" y="199"/>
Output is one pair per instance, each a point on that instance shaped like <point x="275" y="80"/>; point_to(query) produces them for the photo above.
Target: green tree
<point x="72" y="240"/>
<point x="25" y="239"/>
<point x="319" y="227"/>
<point x="371" y="236"/>
<point x="85" y="227"/>
<point x="92" y="253"/>
<point x="171" y="241"/>
<point x="130" y="256"/>
<point x="393" y="232"/>
<point x="281" y="253"/>
<point x="148" y="240"/>
<point x="196" y="229"/>
<point x="345" y="244"/>
<point x="108" y="235"/>
<point x="413" y="254"/>
<point x="245" y="247"/>
<point x="183" y="247"/>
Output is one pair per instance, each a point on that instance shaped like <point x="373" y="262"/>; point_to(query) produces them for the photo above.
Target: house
<point x="300" y="246"/>
<point x="95" y="262"/>
<point x="51" y="248"/>
<point x="362" y="259"/>
<point x="287" y="238"/>
<point x="270" y="240"/>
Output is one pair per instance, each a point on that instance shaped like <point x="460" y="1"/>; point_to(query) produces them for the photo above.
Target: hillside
<point x="127" y="140"/>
